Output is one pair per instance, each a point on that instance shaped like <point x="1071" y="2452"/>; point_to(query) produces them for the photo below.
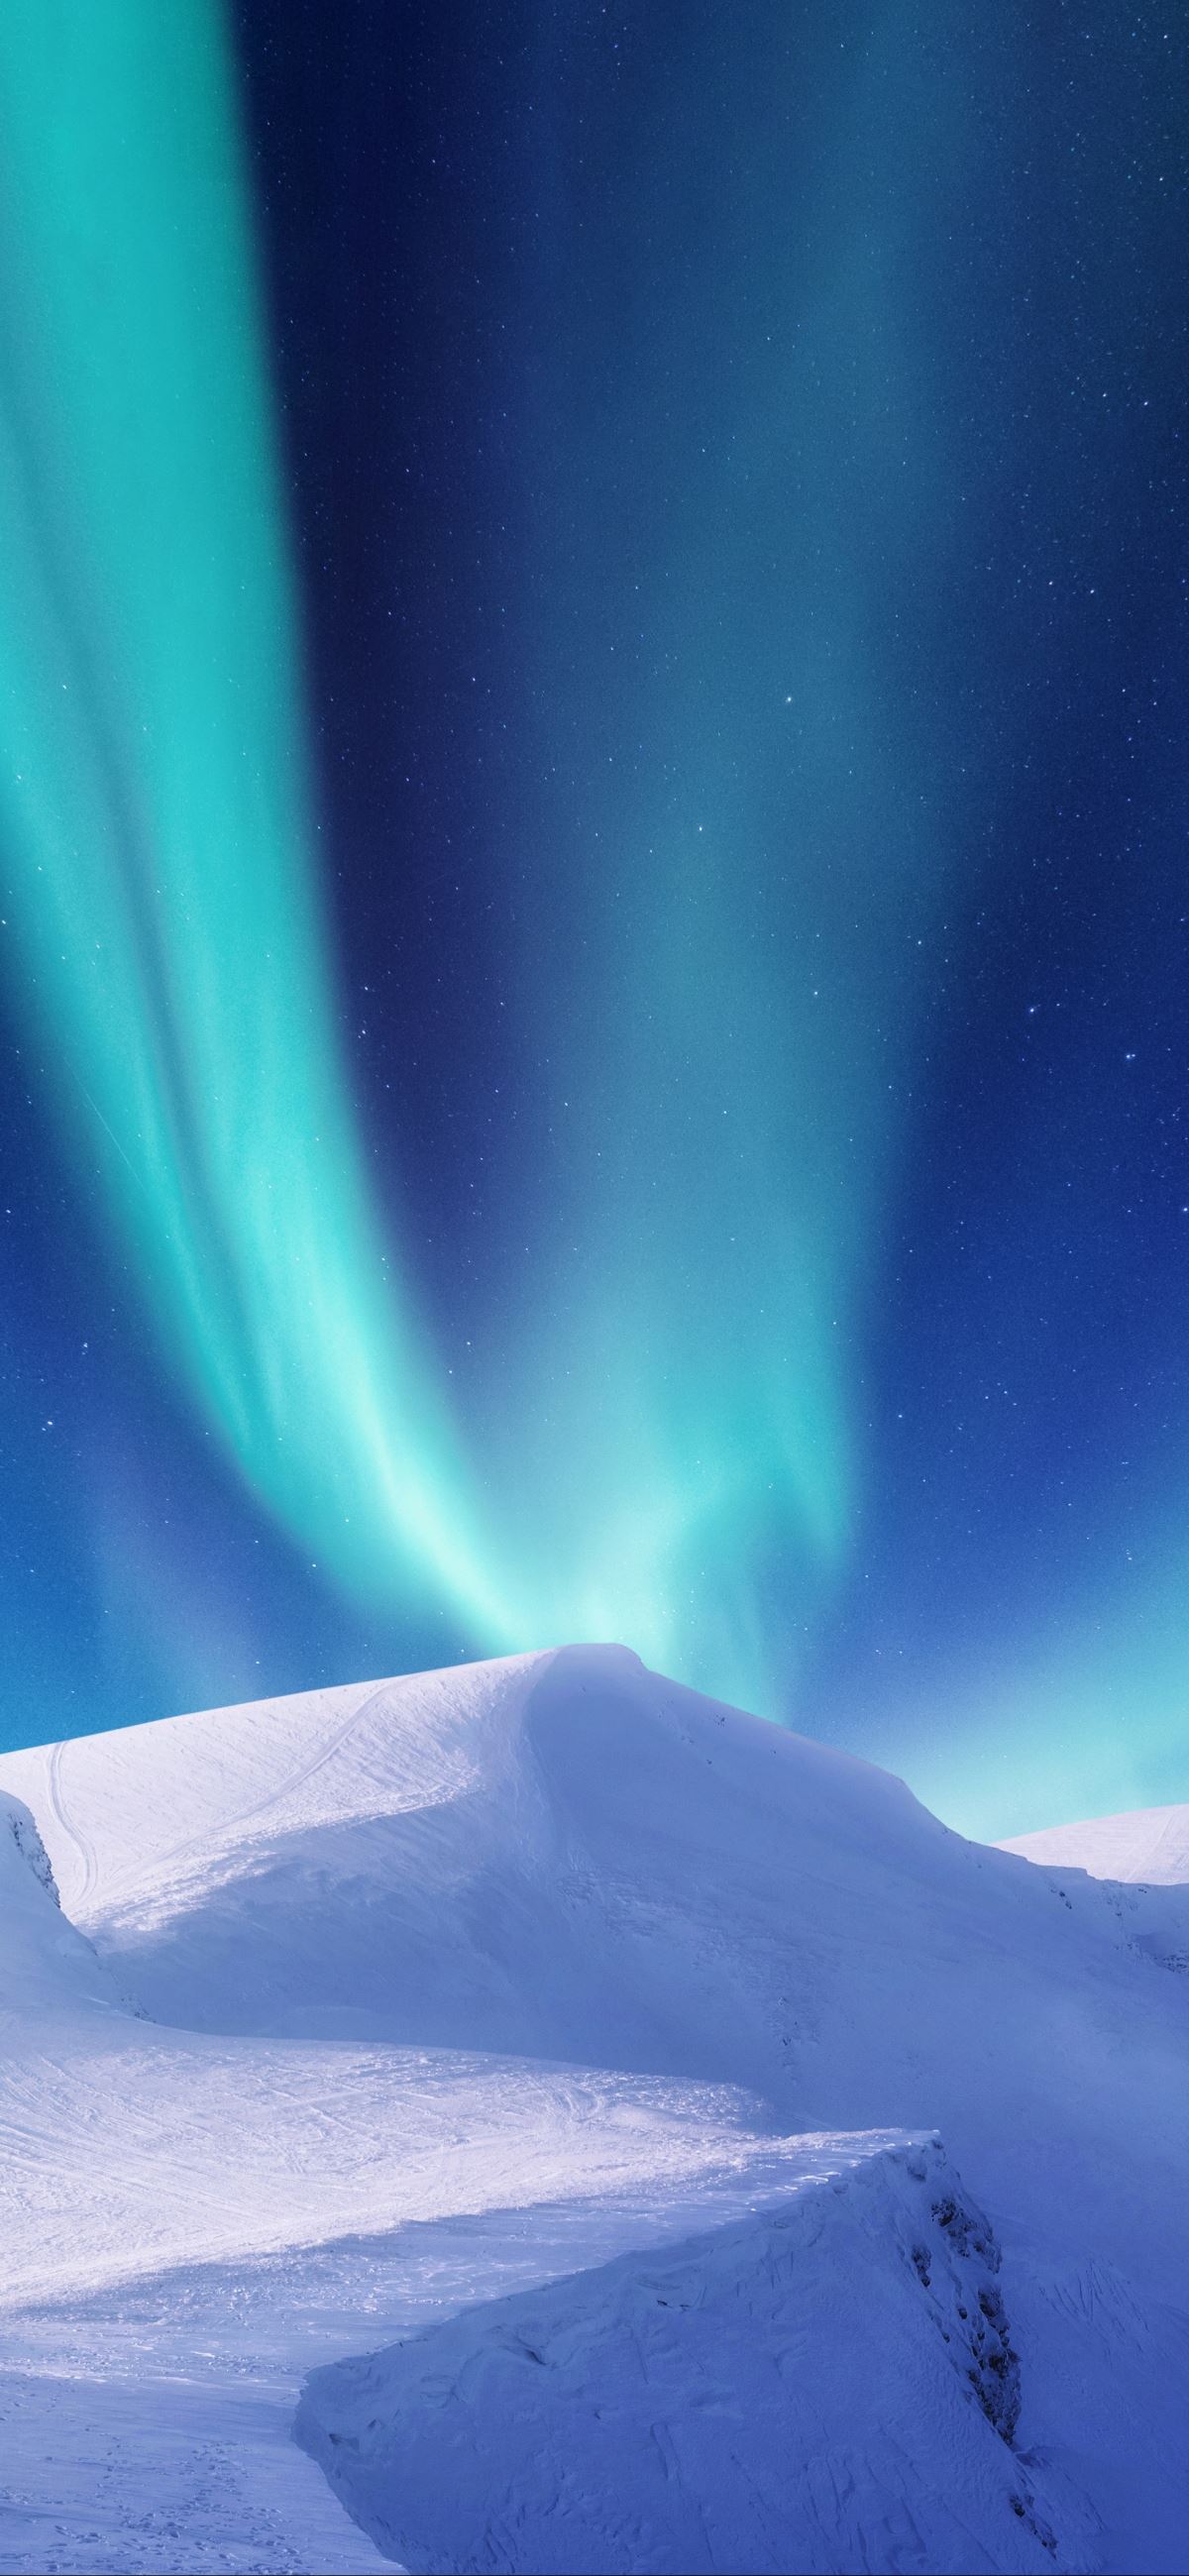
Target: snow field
<point x="480" y="1981"/>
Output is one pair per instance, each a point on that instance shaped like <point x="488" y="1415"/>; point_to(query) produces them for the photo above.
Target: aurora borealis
<point x="593" y="856"/>
<point x="166" y="914"/>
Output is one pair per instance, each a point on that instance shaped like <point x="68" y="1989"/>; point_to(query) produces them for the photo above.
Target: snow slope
<point x="1152" y="1846"/>
<point x="190" y="2222"/>
<point x="1145" y="1859"/>
<point x="479" y="1980"/>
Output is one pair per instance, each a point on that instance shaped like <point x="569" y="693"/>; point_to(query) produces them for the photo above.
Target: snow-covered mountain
<point x="574" y="2048"/>
<point x="1145" y="1859"/>
<point x="1152" y="1845"/>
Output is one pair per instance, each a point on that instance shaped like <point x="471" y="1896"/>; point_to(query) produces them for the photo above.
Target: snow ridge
<point x="829" y="2384"/>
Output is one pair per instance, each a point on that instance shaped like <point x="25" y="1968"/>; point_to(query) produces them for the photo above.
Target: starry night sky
<point x="735" y="466"/>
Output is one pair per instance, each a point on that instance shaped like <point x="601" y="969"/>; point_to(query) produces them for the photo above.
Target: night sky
<point x="595" y="1017"/>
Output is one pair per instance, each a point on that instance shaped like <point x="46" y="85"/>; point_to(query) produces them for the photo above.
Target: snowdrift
<point x="1151" y="1846"/>
<point x="830" y="2386"/>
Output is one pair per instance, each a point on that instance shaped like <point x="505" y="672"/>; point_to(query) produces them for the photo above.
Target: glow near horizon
<point x="155" y="804"/>
<point x="1046" y="1735"/>
<point x="724" y="961"/>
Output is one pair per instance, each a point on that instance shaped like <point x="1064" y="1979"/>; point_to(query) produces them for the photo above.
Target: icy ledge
<point x="30" y="1845"/>
<point x="829" y="2384"/>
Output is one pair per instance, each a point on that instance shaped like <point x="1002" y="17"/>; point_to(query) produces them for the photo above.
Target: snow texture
<point x="373" y="2013"/>
<point x="832" y="2385"/>
<point x="1152" y="1845"/>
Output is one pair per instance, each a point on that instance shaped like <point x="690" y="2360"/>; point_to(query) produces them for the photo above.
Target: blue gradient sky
<point x="729" y="495"/>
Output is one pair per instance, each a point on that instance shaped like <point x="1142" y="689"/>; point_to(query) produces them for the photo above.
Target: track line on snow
<point x="297" y="1779"/>
<point x="74" y="1833"/>
<point x="232" y="1824"/>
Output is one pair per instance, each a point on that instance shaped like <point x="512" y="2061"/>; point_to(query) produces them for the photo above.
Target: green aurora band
<point x="720" y="951"/>
<point x="154" y="798"/>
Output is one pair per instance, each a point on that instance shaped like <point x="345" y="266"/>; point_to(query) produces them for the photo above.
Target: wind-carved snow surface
<point x="549" y="1980"/>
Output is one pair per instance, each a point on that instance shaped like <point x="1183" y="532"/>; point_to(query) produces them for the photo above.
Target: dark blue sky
<point x="624" y="363"/>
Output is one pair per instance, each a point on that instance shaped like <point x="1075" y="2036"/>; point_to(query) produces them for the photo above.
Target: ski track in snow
<point x="234" y="1824"/>
<point x="80" y="1887"/>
